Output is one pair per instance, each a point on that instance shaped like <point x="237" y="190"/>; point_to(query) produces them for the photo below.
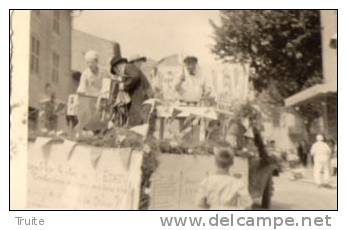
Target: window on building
<point x="33" y="120"/>
<point x="34" y="55"/>
<point x="55" y="67"/>
<point x="56" y="17"/>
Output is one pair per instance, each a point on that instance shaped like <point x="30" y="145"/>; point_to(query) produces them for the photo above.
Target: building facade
<point x="49" y="59"/>
<point x="50" y="54"/>
<point x="323" y="95"/>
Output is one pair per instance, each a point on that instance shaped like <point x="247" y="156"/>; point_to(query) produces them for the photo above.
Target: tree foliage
<point x="283" y="47"/>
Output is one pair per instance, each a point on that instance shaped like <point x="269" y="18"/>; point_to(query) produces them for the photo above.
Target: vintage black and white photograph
<point x="173" y="110"/>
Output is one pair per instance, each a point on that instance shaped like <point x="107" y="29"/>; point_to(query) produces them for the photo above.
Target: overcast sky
<point x="153" y="33"/>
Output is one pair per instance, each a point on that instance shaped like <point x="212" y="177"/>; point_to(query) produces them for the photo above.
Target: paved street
<point x="302" y="194"/>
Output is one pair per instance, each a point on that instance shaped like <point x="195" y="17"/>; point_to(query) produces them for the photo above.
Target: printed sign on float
<point x="175" y="183"/>
<point x="80" y="177"/>
<point x="233" y="87"/>
<point x="72" y="105"/>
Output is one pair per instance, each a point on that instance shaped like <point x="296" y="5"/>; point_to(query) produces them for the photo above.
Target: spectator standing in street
<point x="51" y="117"/>
<point x="303" y="153"/>
<point x="334" y="160"/>
<point x="49" y="109"/>
<point x="333" y="147"/>
<point x="321" y="153"/>
<point x="222" y="190"/>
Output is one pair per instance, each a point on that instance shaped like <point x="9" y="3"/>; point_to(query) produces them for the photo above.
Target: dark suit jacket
<point x="137" y="85"/>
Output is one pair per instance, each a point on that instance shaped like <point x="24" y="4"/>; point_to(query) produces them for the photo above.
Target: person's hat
<point x="190" y="59"/>
<point x="91" y="55"/>
<point x="117" y="60"/>
<point x="136" y="58"/>
<point x="224" y="155"/>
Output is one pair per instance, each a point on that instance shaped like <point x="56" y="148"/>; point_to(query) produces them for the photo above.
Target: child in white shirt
<point x="221" y="190"/>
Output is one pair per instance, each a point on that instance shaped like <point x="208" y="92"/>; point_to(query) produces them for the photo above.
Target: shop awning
<point x="310" y="93"/>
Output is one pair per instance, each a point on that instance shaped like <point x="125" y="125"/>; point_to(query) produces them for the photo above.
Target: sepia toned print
<point x="173" y="110"/>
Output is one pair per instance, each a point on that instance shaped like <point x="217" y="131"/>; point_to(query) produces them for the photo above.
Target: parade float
<point x="185" y="155"/>
<point x="154" y="166"/>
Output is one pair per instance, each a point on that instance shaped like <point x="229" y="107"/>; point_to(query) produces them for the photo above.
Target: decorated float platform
<point x="156" y="166"/>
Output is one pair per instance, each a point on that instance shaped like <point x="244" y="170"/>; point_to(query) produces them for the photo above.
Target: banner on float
<point x="69" y="176"/>
<point x="233" y="87"/>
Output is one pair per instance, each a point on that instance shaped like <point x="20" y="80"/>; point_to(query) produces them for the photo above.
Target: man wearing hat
<point x="191" y="86"/>
<point x="321" y="153"/>
<point x="131" y="81"/>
